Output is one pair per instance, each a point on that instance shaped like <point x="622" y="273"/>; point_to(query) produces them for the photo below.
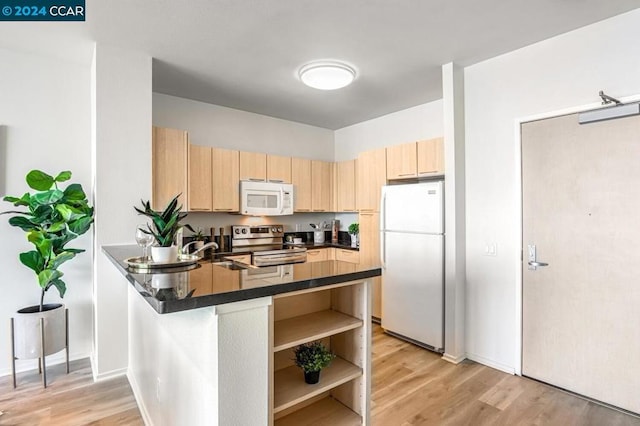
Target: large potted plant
<point x="312" y="358"/>
<point x="164" y="227"/>
<point x="51" y="217"/>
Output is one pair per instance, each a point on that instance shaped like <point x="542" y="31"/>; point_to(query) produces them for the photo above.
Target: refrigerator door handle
<point x="383" y="252"/>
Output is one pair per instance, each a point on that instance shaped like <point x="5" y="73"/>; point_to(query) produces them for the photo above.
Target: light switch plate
<point x="491" y="249"/>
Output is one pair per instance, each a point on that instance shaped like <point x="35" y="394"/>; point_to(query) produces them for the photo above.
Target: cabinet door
<point x="317" y="255"/>
<point x="346" y="186"/>
<point x="370" y="178"/>
<point x="278" y="168"/>
<point x="322" y="185"/>
<point x="226" y="180"/>
<point x="350" y="256"/>
<point x="168" y="166"/>
<point x="253" y="166"/>
<point x="199" y="183"/>
<point x="402" y="161"/>
<point x="370" y="254"/>
<point x="431" y="157"/>
<point x="301" y="179"/>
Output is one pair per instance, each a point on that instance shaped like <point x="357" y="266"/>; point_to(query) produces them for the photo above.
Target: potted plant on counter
<point x="312" y="358"/>
<point x="52" y="218"/>
<point x="354" y="230"/>
<point x="164" y="227"/>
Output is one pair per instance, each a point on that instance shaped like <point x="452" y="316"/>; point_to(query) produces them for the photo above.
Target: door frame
<point x="518" y="161"/>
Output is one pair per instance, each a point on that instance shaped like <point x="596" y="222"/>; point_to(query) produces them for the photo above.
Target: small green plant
<point x="313" y="356"/>
<point x="354" y="229"/>
<point x="53" y="218"/>
<point x="198" y="234"/>
<point x="165" y="224"/>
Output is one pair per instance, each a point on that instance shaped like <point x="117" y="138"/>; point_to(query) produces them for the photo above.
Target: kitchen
<point x="486" y="335"/>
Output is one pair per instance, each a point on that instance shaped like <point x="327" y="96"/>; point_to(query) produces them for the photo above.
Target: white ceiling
<point x="245" y="53"/>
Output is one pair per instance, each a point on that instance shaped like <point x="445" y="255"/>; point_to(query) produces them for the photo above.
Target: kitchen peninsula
<point x="213" y="344"/>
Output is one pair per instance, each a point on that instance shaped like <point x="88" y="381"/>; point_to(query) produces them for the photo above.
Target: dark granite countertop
<point x="210" y="283"/>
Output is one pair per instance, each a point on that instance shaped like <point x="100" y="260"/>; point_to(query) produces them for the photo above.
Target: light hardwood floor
<point x="411" y="386"/>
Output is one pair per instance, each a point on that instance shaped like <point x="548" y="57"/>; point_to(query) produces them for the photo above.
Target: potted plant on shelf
<point x="354" y="230"/>
<point x="53" y="217"/>
<point x="312" y="358"/>
<point x="164" y="227"/>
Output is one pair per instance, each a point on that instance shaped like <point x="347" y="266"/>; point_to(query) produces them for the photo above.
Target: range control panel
<point x="242" y="232"/>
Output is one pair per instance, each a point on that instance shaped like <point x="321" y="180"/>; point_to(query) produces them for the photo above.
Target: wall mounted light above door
<point x="327" y="75"/>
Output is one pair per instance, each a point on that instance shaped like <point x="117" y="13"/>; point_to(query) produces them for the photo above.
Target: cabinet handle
<point x="256" y="180"/>
<point x="224" y="210"/>
<point x="276" y="180"/>
<point x="199" y="209"/>
<point x="428" y="171"/>
<point x="407" y="174"/>
<point x="319" y="210"/>
<point x="302" y="210"/>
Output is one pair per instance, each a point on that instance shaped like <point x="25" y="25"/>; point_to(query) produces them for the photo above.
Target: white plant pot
<point x="164" y="254"/>
<point x="354" y="240"/>
<point x="27" y="330"/>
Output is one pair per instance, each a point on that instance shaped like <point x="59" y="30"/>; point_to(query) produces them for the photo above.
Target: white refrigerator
<point x="412" y="253"/>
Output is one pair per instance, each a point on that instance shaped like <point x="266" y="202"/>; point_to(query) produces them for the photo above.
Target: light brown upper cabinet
<point x="253" y="166"/>
<point x="301" y="179"/>
<point x="168" y="166"/>
<point x="278" y="169"/>
<point x="431" y="157"/>
<point x="371" y="172"/>
<point x="226" y="180"/>
<point x="401" y="161"/>
<point x="321" y="186"/>
<point x="199" y="183"/>
<point x="345" y="186"/>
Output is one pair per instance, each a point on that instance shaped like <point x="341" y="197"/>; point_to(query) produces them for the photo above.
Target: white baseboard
<point x="32" y="364"/>
<point x="490" y="363"/>
<point x="452" y="359"/>
<point x="136" y="393"/>
<point x="109" y="374"/>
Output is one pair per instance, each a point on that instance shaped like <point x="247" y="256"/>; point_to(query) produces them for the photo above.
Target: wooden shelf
<point x="326" y="412"/>
<point x="290" y="388"/>
<point x="317" y="325"/>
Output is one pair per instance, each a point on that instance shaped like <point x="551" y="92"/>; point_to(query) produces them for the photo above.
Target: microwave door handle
<point x="281" y="200"/>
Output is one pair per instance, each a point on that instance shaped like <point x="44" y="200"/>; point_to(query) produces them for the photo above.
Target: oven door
<point x="282" y="258"/>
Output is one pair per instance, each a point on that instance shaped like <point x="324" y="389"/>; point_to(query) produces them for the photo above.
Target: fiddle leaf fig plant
<point x="164" y="224"/>
<point x="52" y="218"/>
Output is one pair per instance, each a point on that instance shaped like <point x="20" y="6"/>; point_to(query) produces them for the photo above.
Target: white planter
<point x="27" y="330"/>
<point x="354" y="240"/>
<point x="164" y="254"/>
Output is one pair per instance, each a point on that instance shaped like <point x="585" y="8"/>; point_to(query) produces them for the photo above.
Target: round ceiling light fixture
<point x="327" y="75"/>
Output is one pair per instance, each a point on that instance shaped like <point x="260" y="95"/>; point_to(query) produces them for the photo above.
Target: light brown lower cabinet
<point x="317" y="255"/>
<point x="335" y="316"/>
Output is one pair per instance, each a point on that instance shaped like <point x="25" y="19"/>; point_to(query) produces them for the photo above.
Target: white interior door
<point x="581" y="209"/>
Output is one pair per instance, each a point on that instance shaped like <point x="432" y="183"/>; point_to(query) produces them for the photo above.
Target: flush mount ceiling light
<point x="327" y="75"/>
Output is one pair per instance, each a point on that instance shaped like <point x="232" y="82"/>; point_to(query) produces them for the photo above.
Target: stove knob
<point x="274" y="229"/>
<point x="279" y="229"/>
<point x="244" y="230"/>
<point x="237" y="231"/>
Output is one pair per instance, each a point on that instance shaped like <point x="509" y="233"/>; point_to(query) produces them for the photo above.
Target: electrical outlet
<point x="491" y="249"/>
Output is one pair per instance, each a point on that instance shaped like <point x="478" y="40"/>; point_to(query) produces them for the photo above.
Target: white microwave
<point x="266" y="198"/>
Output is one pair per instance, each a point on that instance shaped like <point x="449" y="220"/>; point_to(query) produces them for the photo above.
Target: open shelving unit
<point x="336" y="316"/>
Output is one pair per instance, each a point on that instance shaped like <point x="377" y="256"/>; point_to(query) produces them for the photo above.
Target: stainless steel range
<point x="265" y="242"/>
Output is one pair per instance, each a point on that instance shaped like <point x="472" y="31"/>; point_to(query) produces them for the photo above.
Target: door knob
<point x="533" y="262"/>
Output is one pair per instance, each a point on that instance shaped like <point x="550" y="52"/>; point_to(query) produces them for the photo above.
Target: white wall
<point x="562" y="72"/>
<point x="45" y="111"/>
<point x="121" y="140"/>
<point x="420" y="122"/>
<point x="213" y="125"/>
